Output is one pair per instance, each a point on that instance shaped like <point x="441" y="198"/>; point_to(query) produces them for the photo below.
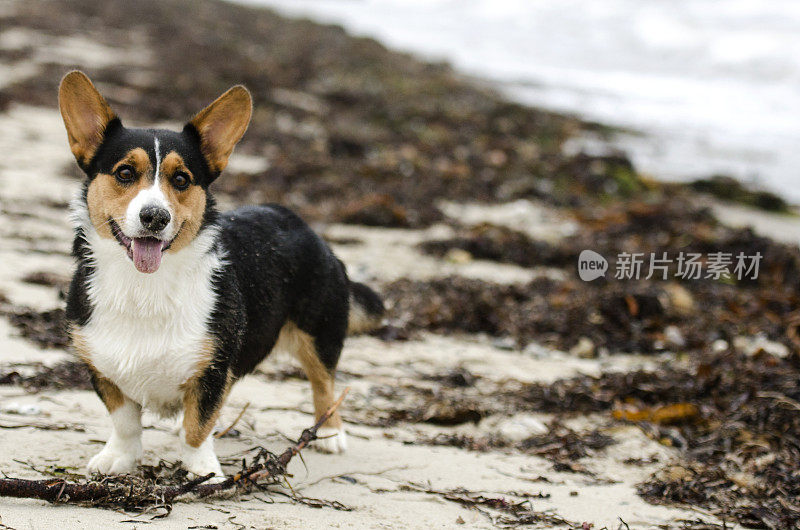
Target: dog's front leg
<point x="124" y="448"/>
<point x="203" y="398"/>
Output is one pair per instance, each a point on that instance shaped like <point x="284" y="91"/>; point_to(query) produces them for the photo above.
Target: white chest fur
<point x="148" y="333"/>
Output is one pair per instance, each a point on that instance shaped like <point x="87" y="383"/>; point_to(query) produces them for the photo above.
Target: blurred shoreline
<point x="710" y="86"/>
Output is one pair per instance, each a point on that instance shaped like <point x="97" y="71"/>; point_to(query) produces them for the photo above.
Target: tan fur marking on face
<point x="301" y="345"/>
<point x="196" y="431"/>
<point x="106" y="197"/>
<point x="110" y="394"/>
<point x="188" y="206"/>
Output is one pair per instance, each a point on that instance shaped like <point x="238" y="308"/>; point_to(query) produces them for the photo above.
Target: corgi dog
<point x="171" y="301"/>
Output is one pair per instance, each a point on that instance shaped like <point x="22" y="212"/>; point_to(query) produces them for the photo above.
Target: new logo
<point x="591" y="265"/>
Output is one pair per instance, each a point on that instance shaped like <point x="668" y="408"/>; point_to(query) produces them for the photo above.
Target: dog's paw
<point x="201" y="469"/>
<point x="201" y="462"/>
<point x="115" y="459"/>
<point x="331" y="440"/>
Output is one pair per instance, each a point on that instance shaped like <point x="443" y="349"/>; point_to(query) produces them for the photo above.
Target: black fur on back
<point x="282" y="271"/>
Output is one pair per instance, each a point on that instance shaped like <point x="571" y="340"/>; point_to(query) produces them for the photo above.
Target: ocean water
<point x="709" y="86"/>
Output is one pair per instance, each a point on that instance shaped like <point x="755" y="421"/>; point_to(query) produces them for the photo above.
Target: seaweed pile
<point x="618" y="315"/>
<point x="560" y="444"/>
<point x="48" y="328"/>
<point x="64" y="375"/>
<point x="502" y="512"/>
<point x="735" y="418"/>
<point x="501" y="244"/>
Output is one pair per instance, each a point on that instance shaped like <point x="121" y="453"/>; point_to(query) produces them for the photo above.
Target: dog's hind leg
<point x="123" y="450"/>
<point x="332" y="437"/>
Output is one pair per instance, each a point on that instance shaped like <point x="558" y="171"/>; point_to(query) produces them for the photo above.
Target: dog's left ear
<point x="222" y="124"/>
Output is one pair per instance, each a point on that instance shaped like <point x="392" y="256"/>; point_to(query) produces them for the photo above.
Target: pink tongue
<point x="146" y="253"/>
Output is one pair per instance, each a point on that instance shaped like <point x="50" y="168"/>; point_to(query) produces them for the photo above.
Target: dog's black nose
<point x="154" y="218"/>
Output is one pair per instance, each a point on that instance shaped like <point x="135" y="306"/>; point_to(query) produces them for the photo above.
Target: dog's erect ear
<point x="222" y="124"/>
<point x="86" y="115"/>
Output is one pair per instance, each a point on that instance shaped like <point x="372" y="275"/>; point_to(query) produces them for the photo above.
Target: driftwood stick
<point x="53" y="490"/>
<point x="59" y="490"/>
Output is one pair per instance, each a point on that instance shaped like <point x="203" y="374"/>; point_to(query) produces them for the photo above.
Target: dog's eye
<point x="180" y="181"/>
<point x="125" y="174"/>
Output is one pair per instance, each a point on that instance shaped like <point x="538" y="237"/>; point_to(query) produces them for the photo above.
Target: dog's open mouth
<point x="145" y="252"/>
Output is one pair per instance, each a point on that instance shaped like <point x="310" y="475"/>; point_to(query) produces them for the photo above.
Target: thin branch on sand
<point x="232" y="425"/>
<point x="134" y="493"/>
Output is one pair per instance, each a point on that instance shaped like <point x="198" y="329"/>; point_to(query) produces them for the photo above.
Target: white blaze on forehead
<point x="158" y="161"/>
<point x="151" y="196"/>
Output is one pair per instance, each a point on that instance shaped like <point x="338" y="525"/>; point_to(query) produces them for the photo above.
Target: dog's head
<point x="148" y="188"/>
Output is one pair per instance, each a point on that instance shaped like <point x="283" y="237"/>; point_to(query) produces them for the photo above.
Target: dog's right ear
<point x="86" y="115"/>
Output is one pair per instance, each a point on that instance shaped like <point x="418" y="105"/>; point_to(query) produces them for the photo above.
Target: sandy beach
<point x="395" y="474"/>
